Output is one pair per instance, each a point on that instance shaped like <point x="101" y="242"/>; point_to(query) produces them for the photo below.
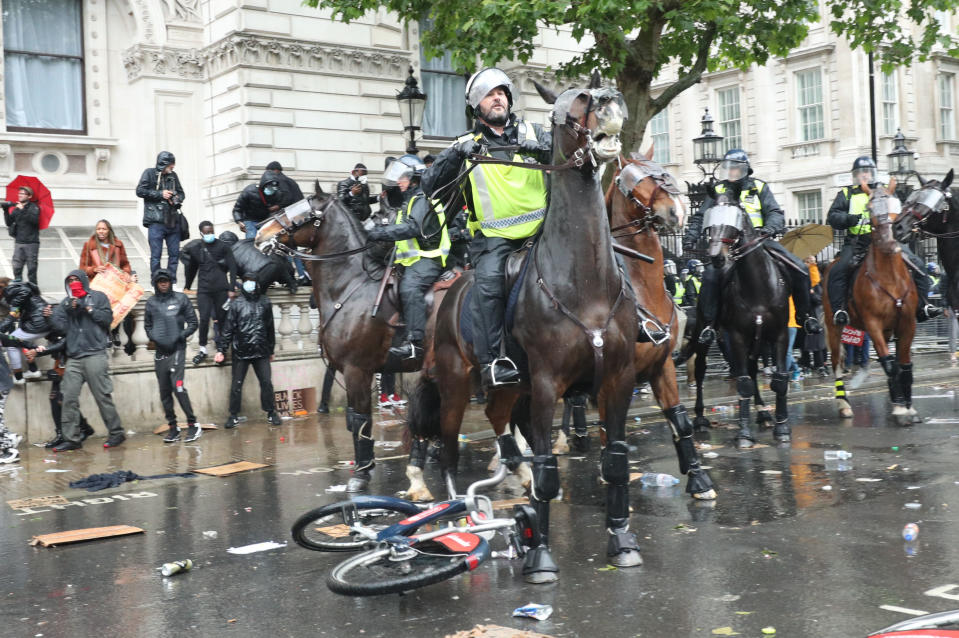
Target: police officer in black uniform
<point x="764" y="212"/>
<point x="849" y="212"/>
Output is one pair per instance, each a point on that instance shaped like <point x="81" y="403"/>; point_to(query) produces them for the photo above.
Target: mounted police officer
<point x="692" y="282"/>
<point x="674" y="286"/>
<point x="849" y="212"/>
<point x="506" y="205"/>
<point x="422" y="247"/>
<point x="764" y="212"/>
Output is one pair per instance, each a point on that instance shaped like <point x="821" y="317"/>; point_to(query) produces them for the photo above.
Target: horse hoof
<point x="899" y="410"/>
<point x="420" y="495"/>
<point x="356" y="484"/>
<point x="581" y="443"/>
<point x="785" y="437"/>
<point x="701" y="424"/>
<point x="560" y="450"/>
<point x="708" y="495"/>
<point x="743" y="443"/>
<point x="541" y="578"/>
<point x="845" y="413"/>
<point x="763" y="417"/>
<point x="626" y="558"/>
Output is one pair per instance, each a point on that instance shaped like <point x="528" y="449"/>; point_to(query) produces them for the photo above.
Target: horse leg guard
<point x="622" y="548"/>
<point x="414" y="472"/>
<point x="362" y="429"/>
<point x="538" y="566"/>
<point x="745" y="387"/>
<point x="905" y="383"/>
<point x="891" y="367"/>
<point x="509" y="452"/>
<point x="780" y="385"/>
<point x="580" y="435"/>
<point x="698" y="483"/>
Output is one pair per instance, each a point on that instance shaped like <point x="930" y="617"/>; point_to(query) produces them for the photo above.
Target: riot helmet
<point x="932" y="269"/>
<point x="734" y="167"/>
<point x="863" y="167"/>
<point x="669" y="266"/>
<point x="481" y="83"/>
<point x="695" y="266"/>
<point x="403" y="169"/>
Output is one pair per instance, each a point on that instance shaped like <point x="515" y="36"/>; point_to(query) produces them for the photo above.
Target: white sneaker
<point x="396" y="400"/>
<point x="17" y="381"/>
<point x="9" y="455"/>
<point x="35" y="374"/>
<point x="11" y="439"/>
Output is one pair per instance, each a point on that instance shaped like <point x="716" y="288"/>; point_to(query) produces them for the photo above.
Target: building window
<point x="730" y="125"/>
<point x="809" y="206"/>
<point x="659" y="135"/>
<point x="443" y="87"/>
<point x="43" y="65"/>
<point x="947" y="113"/>
<point x="890" y="104"/>
<point x="809" y="104"/>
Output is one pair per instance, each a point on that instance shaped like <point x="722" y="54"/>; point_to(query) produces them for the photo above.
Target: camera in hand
<point x="6" y="205"/>
<point x="176" y="202"/>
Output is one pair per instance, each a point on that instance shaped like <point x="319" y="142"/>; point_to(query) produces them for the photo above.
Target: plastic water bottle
<point x="837" y="455"/>
<point x="659" y="479"/>
<point x="910" y="532"/>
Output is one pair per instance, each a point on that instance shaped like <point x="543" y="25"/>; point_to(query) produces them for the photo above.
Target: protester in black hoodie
<point x="84" y="316"/>
<point x="248" y="329"/>
<point x="211" y="262"/>
<point x="170" y="319"/>
<point x="57" y="349"/>
<point x="162" y="195"/>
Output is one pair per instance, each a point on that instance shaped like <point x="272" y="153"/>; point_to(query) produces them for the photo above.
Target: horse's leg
<point x="890" y="366"/>
<point x="698" y="483"/>
<point x="359" y="421"/>
<point x="764" y="417"/>
<point x="780" y="385"/>
<point x="561" y="446"/>
<point x="745" y="387"/>
<point x="701" y="423"/>
<point x="622" y="549"/>
<point x="456" y="396"/>
<point x="904" y="355"/>
<point x="580" y="435"/>
<point x="423" y="419"/>
<point x="538" y="566"/>
<point x="499" y="411"/>
<point x="836" y="353"/>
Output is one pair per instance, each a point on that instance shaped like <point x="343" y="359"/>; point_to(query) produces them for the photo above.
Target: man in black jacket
<point x="354" y="192"/>
<point x="26" y="307"/>
<point x="162" y="195"/>
<point x="170" y="319"/>
<point x="213" y="260"/>
<point x="84" y="316"/>
<point x="248" y="329"/>
<point x="23" y="221"/>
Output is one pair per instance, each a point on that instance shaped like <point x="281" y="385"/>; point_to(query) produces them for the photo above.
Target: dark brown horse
<point x="642" y="200"/>
<point x="345" y="286"/>
<point x="574" y="319"/>
<point x="883" y="303"/>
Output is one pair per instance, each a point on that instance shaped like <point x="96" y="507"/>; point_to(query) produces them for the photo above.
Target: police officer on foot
<point x="506" y="206"/>
<point x="422" y="246"/>
<point x="764" y="212"/>
<point x="849" y="212"/>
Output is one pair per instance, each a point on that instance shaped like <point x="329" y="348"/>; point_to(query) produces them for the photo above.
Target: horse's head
<point x="652" y="194"/>
<point x="933" y="198"/>
<point x="294" y="225"/>
<point x="725" y="223"/>
<point x="586" y="124"/>
<point x="884" y="208"/>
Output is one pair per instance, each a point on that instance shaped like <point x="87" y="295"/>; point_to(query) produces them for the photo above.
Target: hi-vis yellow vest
<point x="750" y="201"/>
<point x="408" y="251"/>
<point x="680" y="292"/>
<point x="858" y="205"/>
<point x="508" y="201"/>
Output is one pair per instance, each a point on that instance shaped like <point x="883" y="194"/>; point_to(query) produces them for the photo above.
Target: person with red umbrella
<point x="23" y="223"/>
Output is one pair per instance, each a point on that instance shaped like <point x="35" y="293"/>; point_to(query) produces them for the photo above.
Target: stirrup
<point x="930" y="311"/>
<point x="811" y="325"/>
<point x="840" y="317"/>
<point x="407" y="350"/>
<point x="506" y="362"/>
<point x="707" y="336"/>
<point x="654" y="333"/>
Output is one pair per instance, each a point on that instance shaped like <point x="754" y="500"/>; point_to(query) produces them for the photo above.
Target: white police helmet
<point x="484" y="81"/>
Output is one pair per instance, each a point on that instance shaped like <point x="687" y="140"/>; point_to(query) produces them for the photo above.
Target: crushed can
<point x="177" y="566"/>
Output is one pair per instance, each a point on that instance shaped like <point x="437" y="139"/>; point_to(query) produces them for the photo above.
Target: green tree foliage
<point x="632" y="40"/>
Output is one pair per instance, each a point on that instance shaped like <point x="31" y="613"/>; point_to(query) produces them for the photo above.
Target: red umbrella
<point x="41" y="195"/>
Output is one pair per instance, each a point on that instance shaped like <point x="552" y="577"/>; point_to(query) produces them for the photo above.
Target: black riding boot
<point x="709" y="302"/>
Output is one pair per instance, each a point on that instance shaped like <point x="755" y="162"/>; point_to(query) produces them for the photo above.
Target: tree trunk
<point x="636" y="95"/>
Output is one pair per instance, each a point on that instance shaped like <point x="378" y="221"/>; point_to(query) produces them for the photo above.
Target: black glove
<point x="530" y="147"/>
<point x="377" y="233"/>
<point x="469" y="147"/>
<point x="853" y="220"/>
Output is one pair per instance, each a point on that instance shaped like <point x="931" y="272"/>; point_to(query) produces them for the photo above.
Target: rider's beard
<point x="494" y="119"/>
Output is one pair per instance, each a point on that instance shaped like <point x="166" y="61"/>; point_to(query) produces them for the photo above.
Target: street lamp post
<point x="707" y="152"/>
<point x="412" y="102"/>
<point x="902" y="165"/>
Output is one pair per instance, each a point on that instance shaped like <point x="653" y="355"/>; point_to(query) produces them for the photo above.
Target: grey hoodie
<point x="87" y="327"/>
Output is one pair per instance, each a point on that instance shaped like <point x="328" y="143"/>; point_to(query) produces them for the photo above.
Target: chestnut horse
<point x="883" y="303"/>
<point x="574" y="319"/>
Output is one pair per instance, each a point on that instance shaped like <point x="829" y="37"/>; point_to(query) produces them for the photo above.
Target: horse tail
<point x="423" y="410"/>
<point x="688" y="349"/>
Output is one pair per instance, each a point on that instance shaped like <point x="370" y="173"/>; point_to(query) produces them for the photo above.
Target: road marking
<point x="312" y="470"/>
<point x="102" y="500"/>
<point x="943" y="592"/>
<point x="904" y="610"/>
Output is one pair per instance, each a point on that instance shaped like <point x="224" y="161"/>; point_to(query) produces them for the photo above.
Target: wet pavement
<point x="807" y="546"/>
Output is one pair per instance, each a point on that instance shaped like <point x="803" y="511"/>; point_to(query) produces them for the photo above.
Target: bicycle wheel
<point x="391" y="570"/>
<point x="327" y="528"/>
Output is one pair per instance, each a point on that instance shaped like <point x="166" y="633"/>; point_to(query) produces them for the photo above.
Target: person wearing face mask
<point x="84" y="318"/>
<point x="764" y="213"/>
<point x="209" y="261"/>
<point x="354" y="192"/>
<point x="169" y="319"/>
<point x="162" y="195"/>
<point x="248" y="329"/>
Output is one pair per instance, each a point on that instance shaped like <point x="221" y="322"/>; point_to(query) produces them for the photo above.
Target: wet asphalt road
<point x="775" y="550"/>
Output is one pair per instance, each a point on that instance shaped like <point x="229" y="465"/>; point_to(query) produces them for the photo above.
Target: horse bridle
<point x="942" y="209"/>
<point x="627" y="183"/>
<point x="316" y="217"/>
